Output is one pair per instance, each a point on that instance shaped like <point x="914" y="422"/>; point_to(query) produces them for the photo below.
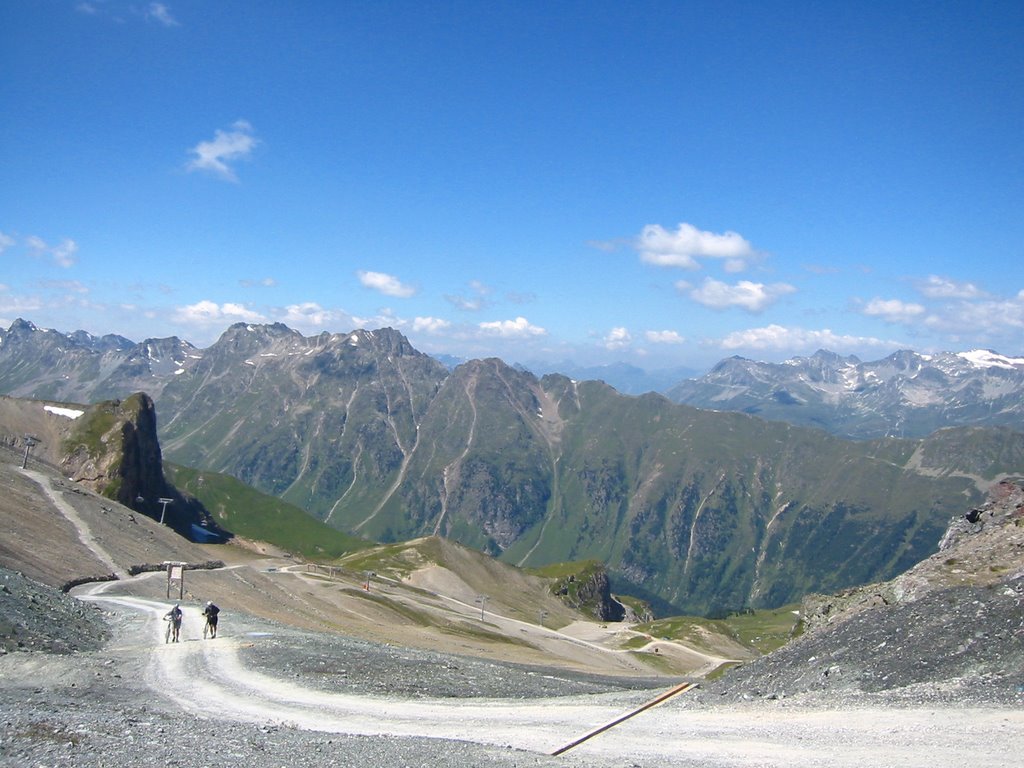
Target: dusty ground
<point x="57" y="531"/>
<point x="315" y="671"/>
<point x="267" y="695"/>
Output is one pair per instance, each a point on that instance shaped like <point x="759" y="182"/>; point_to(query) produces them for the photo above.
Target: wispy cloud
<point x="122" y="11"/>
<point x="387" y="284"/>
<point x="205" y="314"/>
<point x="63" y="254"/>
<point x="226" y="148"/>
<point x="160" y="13"/>
<point x="265" y="282"/>
<point x="935" y="287"/>
<point x="747" y="295"/>
<point x="6" y="241"/>
<point x="683" y="247"/>
<point x="894" y="310"/>
<point x="778" y="337"/>
<point x="310" y="316"/>
<point x="996" y="321"/>
<point x="12" y="305"/>
<point x="474" y="302"/>
<point x="66" y="286"/>
<point x="961" y="312"/>
<point x="520" y="328"/>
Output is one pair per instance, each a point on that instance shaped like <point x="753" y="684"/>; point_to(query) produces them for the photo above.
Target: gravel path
<point x="265" y="695"/>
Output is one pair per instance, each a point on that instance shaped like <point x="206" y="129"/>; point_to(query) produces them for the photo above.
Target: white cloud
<point x="466" y="303"/>
<point x="266" y="282"/>
<point x="6" y="241"/>
<point x="473" y="303"/>
<point x="999" y="320"/>
<point x="520" y="328"/>
<point x="664" y="337"/>
<point x="893" y="310"/>
<point x="386" y="284"/>
<point x="66" y="286"/>
<point x="62" y="254"/>
<point x="935" y="287"/>
<point x="226" y="147"/>
<point x="18" y="305"/>
<point x="209" y="313"/>
<point x="617" y="338"/>
<point x="430" y="325"/>
<point x="310" y="316"/>
<point x="683" y="247"/>
<point x="162" y="14"/>
<point x="753" y="297"/>
<point x="778" y="337"/>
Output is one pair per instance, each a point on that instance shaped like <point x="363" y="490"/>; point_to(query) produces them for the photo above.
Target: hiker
<point x="210" y="612"/>
<point x="174" y="629"/>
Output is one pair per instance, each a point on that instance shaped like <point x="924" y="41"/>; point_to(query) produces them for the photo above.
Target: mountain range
<point x="697" y="511"/>
<point x="903" y="395"/>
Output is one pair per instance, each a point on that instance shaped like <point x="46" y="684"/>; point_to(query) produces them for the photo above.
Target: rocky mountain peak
<point x="903" y="395"/>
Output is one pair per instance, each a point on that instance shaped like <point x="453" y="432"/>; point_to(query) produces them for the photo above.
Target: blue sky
<point x="659" y="183"/>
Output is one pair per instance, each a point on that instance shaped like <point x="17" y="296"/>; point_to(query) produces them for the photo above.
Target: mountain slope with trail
<point x="267" y="693"/>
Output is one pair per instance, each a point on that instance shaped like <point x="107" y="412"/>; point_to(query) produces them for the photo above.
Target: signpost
<point x="175" y="572"/>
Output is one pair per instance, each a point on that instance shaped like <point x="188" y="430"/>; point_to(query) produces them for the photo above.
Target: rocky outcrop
<point x="949" y="629"/>
<point x="589" y="591"/>
<point x="982" y="548"/>
<point x="113" y="450"/>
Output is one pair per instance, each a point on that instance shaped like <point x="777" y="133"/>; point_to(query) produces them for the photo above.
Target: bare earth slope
<point x="950" y="629"/>
<point x="275" y="689"/>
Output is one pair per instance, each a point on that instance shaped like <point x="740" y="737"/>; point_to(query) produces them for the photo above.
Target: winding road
<point x="208" y="679"/>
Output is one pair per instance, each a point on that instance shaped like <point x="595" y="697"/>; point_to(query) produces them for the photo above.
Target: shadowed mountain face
<point x="698" y="511"/>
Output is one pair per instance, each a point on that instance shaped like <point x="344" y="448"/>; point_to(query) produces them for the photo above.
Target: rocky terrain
<point x="375" y="439"/>
<point x="950" y="629"/>
<point x="926" y="669"/>
<point x="903" y="395"/>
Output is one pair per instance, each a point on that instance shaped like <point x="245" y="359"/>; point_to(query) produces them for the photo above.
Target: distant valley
<point x="697" y="511"/>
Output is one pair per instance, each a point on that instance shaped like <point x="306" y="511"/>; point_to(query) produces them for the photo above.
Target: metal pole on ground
<point x="657" y="700"/>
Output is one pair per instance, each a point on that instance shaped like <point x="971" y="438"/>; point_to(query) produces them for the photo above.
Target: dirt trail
<point x="84" y="533"/>
<point x="208" y="679"/>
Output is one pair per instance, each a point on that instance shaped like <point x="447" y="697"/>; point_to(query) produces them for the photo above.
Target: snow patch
<point x="68" y="412"/>
<point x="986" y="358"/>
